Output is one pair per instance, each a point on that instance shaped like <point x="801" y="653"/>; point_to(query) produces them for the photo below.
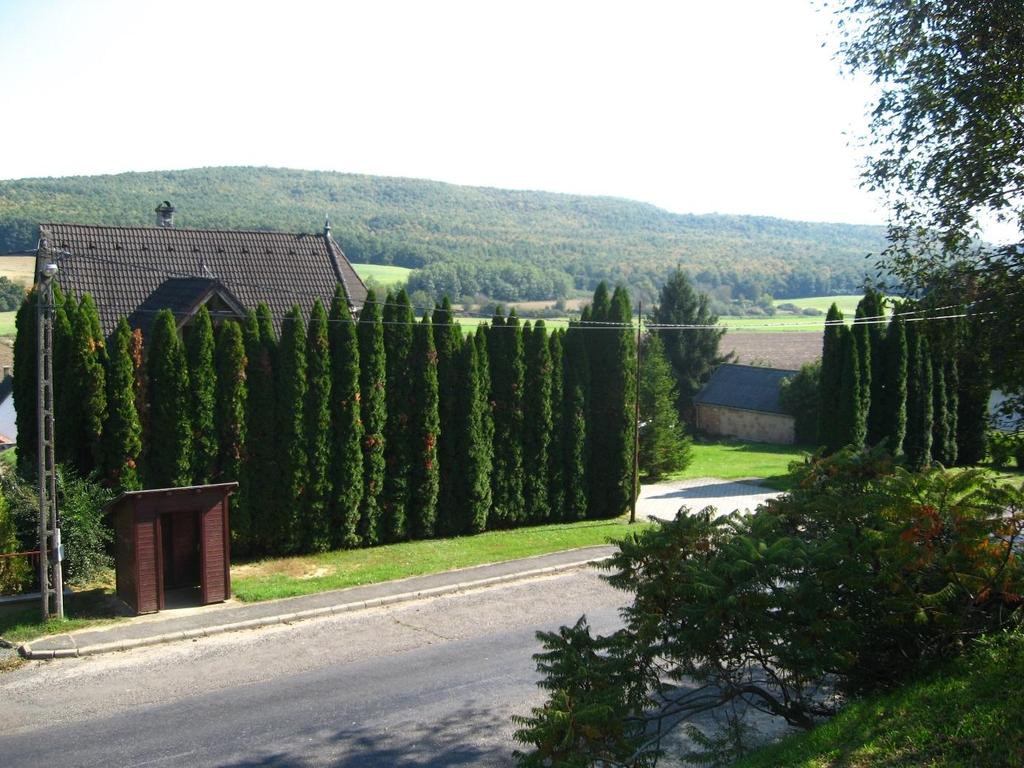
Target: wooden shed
<point x="172" y="539"/>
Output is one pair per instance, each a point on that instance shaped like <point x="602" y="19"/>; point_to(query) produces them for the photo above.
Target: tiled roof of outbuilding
<point x="749" y="387"/>
<point x="122" y="267"/>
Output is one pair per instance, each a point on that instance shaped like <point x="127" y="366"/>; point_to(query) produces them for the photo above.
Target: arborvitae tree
<point x="472" y="442"/>
<point x="829" y="434"/>
<point x="86" y="387"/>
<point x="943" y="342"/>
<point x="398" y="333"/>
<point x="373" y="392"/>
<point x="537" y="422"/>
<point x="203" y="384"/>
<point x="952" y="379"/>
<point x="664" y="446"/>
<point x="169" y="458"/>
<point x="865" y="335"/>
<point x="940" y="420"/>
<point x="693" y="352"/>
<point x="66" y="406"/>
<point x="851" y="416"/>
<point x="448" y="341"/>
<point x="973" y="394"/>
<point x="423" y="430"/>
<point x="918" y="443"/>
<point x="291" y="386"/>
<point x="122" y="435"/>
<point x="259" y="479"/>
<point x="315" y="529"/>
<point x="229" y="419"/>
<point x="141" y="389"/>
<point x="346" y="425"/>
<point x="556" y="488"/>
<point x="25" y="383"/>
<point x="893" y="409"/>
<point x="575" y="396"/>
<point x="505" y="342"/>
<point x="873" y="306"/>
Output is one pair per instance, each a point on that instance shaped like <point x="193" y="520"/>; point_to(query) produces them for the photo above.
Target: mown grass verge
<point x="291" y="576"/>
<point x="734" y="460"/>
<point x="88" y="608"/>
<point x="970" y="713"/>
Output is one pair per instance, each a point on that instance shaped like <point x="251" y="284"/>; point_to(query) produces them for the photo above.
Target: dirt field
<point x="775" y="350"/>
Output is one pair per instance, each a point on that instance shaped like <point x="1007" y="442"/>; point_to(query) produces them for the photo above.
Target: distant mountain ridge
<point x="507" y="244"/>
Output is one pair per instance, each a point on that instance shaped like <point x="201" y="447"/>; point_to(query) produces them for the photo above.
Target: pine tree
<point x="259" y="481"/>
<point x="169" y="458"/>
<point x="575" y="393"/>
<point x="918" y="443"/>
<point x="86" y="388"/>
<point x="288" y="524"/>
<point x="315" y="530"/>
<point x="398" y="333"/>
<point x="230" y="397"/>
<point x="448" y="342"/>
<point x="424" y="429"/>
<point x="373" y="391"/>
<point x="122" y="434"/>
<point x="893" y="410"/>
<point x="664" y="446"/>
<point x="537" y="422"/>
<point x="831" y="381"/>
<point x="472" y="443"/>
<point x="203" y="383"/>
<point x="346" y="425"/>
<point x="556" y="451"/>
<point x="25" y="384"/>
<point x="505" y="352"/>
<point x="852" y="422"/>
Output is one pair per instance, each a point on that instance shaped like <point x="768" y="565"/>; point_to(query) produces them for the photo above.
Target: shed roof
<point x="748" y="387"/>
<point x="123" y="267"/>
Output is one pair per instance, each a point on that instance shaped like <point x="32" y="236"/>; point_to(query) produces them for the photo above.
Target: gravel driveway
<point x="663" y="500"/>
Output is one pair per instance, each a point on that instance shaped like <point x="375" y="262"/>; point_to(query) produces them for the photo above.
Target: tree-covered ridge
<point x="504" y="243"/>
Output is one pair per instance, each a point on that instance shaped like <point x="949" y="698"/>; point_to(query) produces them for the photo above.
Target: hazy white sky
<point x="732" y="106"/>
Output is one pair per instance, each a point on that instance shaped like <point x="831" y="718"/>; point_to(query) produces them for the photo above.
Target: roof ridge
<point x="185" y="229"/>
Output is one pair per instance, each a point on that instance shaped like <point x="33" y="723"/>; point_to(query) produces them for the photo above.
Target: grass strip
<point x="735" y="460"/>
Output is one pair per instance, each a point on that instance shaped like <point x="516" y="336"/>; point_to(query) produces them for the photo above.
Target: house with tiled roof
<point x="135" y="271"/>
<point x="743" y="401"/>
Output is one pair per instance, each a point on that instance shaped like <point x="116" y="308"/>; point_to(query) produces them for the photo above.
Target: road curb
<point x="28" y="652"/>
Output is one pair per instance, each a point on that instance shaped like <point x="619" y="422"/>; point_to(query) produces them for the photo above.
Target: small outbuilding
<point x="172" y="539"/>
<point x="743" y="401"/>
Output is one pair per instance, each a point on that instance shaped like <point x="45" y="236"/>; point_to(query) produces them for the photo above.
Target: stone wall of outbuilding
<point x="755" y="426"/>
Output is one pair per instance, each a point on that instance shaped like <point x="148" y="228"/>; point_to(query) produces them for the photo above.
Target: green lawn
<point x="87" y="608"/>
<point x="971" y="713"/>
<point x="383" y="273"/>
<point x="287" y="577"/>
<point x="735" y="460"/>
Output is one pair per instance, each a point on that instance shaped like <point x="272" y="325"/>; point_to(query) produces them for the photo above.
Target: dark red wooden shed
<point x="172" y="539"/>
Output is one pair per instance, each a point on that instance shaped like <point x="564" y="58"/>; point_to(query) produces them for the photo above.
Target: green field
<point x="384" y="274"/>
<point x="7" y="323"/>
<point x="737" y="460"/>
<point x="847" y="303"/>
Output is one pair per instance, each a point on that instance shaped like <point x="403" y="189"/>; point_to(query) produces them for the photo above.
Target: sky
<point x="732" y="106"/>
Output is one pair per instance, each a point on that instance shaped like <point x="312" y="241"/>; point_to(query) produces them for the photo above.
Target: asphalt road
<point x="430" y="683"/>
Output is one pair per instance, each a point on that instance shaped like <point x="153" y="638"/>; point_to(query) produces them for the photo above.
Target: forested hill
<point x="466" y="240"/>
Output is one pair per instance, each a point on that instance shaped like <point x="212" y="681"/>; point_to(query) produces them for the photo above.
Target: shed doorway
<point x="180" y="540"/>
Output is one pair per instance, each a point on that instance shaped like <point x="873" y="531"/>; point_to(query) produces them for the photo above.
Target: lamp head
<point x="49" y="270"/>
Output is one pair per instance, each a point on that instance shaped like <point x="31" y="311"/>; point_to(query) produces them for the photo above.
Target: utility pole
<point x="636" y="417"/>
<point x="51" y="579"/>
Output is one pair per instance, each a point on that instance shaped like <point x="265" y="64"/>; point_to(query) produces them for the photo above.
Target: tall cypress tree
<point x="169" y="459"/>
<point x="893" y="407"/>
<point x="373" y="391"/>
<point x="259" y="479"/>
<point x="122" y="434"/>
<point x="918" y="443"/>
<point x="473" y="448"/>
<point x="25" y="383"/>
<point x="398" y="333"/>
<point x="872" y="308"/>
<point x="424" y="480"/>
<point x="291" y="385"/>
<point x="66" y="403"/>
<point x="852" y="422"/>
<point x="448" y="341"/>
<point x="973" y="393"/>
<point x="86" y="387"/>
<point x="537" y="422"/>
<point x="575" y="394"/>
<point x="315" y="530"/>
<point x="505" y="342"/>
<point x="865" y="333"/>
<point x="230" y="397"/>
<point x="203" y="383"/>
<point x="831" y="380"/>
<point x="346" y="425"/>
<point x="556" y="489"/>
<point x="940" y="419"/>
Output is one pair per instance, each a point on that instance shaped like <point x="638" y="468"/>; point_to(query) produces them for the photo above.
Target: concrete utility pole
<point x="636" y="417"/>
<point x="51" y="578"/>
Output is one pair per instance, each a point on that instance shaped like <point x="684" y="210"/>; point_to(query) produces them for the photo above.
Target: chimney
<point x="165" y="215"/>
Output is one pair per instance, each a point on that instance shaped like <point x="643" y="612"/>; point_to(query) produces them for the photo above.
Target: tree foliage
<point x="316" y="524"/>
<point x="122" y="432"/>
<point x="230" y="397"/>
<point x="202" y="386"/>
<point x="346" y="424"/>
<point x="287" y="526"/>
<point x="169" y="453"/>
<point x="424" y="428"/>
<point x="799" y="396"/>
<point x="664" y="445"/>
<point x="373" y="392"/>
